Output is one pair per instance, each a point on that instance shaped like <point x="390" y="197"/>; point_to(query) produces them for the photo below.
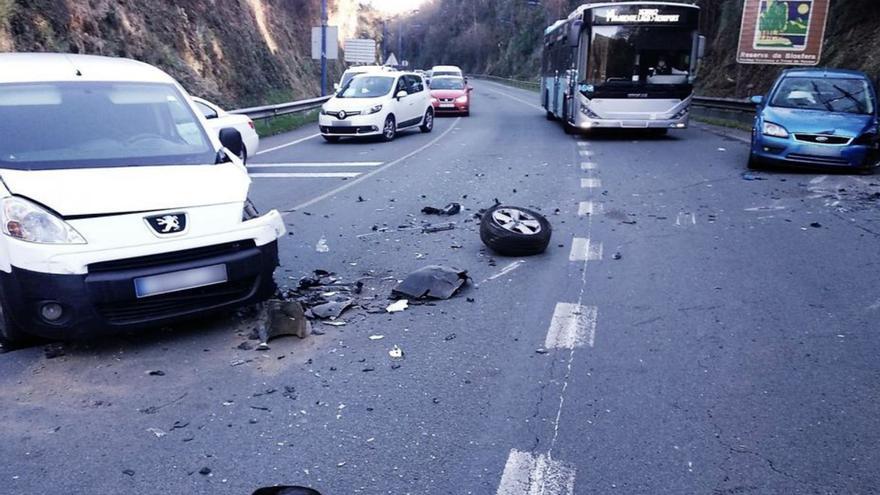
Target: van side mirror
<point x="701" y="47"/>
<point x="230" y="138"/>
<point x="401" y="94"/>
<point x="574" y="33"/>
<point x="757" y="100"/>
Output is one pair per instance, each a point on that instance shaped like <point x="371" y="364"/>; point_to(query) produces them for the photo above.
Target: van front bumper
<point x="104" y="301"/>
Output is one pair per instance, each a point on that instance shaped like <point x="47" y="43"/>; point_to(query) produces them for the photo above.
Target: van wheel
<point x="11" y="336"/>
<point x="389" y="130"/>
<point x="428" y="121"/>
<point x="331" y="139"/>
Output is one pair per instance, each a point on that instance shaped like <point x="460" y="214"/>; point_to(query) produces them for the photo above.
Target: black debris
<point x="368" y="369"/>
<point x="53" y="351"/>
<point x="449" y="337"/>
<point x="128" y="472"/>
<point x="245" y="346"/>
<point x="617" y="256"/>
<point x="283" y="318"/>
<point x="434" y="282"/>
<point x="816" y="225"/>
<point x="156" y="373"/>
<point x="290" y="392"/>
<point x="438" y="227"/>
<point x="205" y="471"/>
<point x="448" y="210"/>
<point x="332" y="309"/>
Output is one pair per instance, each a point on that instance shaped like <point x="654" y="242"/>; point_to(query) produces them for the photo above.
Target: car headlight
<point x="324" y="111"/>
<point x="372" y="110"/>
<point x="462" y="99"/>
<point x="250" y="211"/>
<point x="29" y="222"/>
<point x="775" y="130"/>
<point x="434" y="100"/>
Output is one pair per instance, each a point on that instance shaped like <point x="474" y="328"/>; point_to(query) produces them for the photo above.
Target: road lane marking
<point x="371" y="173"/>
<point x="536" y="107"/>
<point x="507" y="269"/>
<point x="529" y="474"/>
<point x="588" y="208"/>
<point x="586" y="153"/>
<point x="314" y="165"/>
<point x="590" y="183"/>
<point x="589" y="166"/>
<point x="292" y="143"/>
<point x="572" y="325"/>
<point x="583" y="143"/>
<point x="585" y="250"/>
<point x="305" y="175"/>
<point x="685" y="218"/>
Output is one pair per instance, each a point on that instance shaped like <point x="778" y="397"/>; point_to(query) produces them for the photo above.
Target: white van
<point x="118" y="209"/>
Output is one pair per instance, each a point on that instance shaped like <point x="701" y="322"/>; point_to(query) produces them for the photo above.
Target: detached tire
<point x="515" y="231"/>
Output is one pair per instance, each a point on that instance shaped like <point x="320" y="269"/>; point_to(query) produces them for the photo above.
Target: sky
<point x="395" y="6"/>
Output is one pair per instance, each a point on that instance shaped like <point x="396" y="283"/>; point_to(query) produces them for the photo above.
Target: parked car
<point x="450" y="94"/>
<point x="360" y="69"/>
<point x="219" y="119"/>
<point x="818" y="118"/>
<point x="377" y="104"/>
<point x="118" y="208"/>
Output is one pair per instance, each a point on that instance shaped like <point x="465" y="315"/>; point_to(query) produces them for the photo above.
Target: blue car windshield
<point x="827" y="94"/>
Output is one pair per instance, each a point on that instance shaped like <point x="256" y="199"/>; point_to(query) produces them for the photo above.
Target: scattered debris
<point x="376" y="337"/>
<point x="541" y="350"/>
<point x="128" y="472"/>
<point x="396" y="352"/>
<point x="448" y="210"/>
<point x="205" y="471"/>
<point x="617" y="256"/>
<point x="816" y="225"/>
<point x="157" y="431"/>
<point x="435" y="282"/>
<point x="245" y="346"/>
<point x="156" y="373"/>
<point x="322" y="246"/>
<point x="282" y="318"/>
<point x="751" y="176"/>
<point x="53" y="351"/>
<point x="449" y="337"/>
<point x="438" y="227"/>
<point x="397" y="306"/>
<point x="336" y="323"/>
<point x="332" y="309"/>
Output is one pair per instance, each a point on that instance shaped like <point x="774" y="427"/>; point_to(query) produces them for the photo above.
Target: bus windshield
<point x="639" y="54"/>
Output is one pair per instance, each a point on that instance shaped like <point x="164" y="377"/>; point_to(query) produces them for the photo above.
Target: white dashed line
<point x="583" y="143"/>
<point x="586" y="153"/>
<point x="507" y="269"/>
<point x="590" y="183"/>
<point x="572" y="325"/>
<point x="530" y="474"/>
<point x="585" y="250"/>
<point x="306" y="175"/>
<point x="276" y="148"/>
<point x="314" y="165"/>
<point x="589" y="208"/>
<point x="589" y="166"/>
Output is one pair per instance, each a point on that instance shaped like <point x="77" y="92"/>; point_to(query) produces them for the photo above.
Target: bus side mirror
<point x="701" y="47"/>
<point x="574" y="33"/>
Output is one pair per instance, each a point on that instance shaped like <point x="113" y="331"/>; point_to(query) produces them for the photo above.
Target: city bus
<point x="622" y="65"/>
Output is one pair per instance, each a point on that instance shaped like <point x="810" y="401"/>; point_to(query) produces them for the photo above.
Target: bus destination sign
<point x="641" y="15"/>
<point x="782" y="32"/>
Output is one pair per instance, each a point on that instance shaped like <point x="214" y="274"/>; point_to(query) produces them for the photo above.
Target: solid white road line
<point x="585" y="250"/>
<point x="314" y="165"/>
<point x="530" y="474"/>
<point x="590" y="183"/>
<point x="269" y="150"/>
<point x="589" y="166"/>
<point x="572" y="325"/>
<point x="589" y="208"/>
<point x="536" y="107"/>
<point x="306" y="175"/>
<point x="371" y="173"/>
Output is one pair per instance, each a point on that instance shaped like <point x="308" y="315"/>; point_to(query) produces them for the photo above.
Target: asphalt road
<point x="690" y="330"/>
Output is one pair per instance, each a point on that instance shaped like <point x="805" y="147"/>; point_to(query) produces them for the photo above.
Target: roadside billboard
<point x="360" y="51"/>
<point x="782" y="32"/>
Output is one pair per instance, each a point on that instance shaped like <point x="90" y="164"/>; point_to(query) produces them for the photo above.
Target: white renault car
<point x="378" y="104"/>
<point x="118" y="208"/>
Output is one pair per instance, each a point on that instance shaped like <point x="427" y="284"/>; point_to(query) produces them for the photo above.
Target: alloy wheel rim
<point x="389" y="128"/>
<point x="516" y="221"/>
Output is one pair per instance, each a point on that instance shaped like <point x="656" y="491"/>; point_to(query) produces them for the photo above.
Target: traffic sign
<point x="332" y="43"/>
<point x="360" y="51"/>
<point x="782" y="32"/>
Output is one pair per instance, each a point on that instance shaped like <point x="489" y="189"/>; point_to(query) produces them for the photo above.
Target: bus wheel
<point x="568" y="128"/>
<point x="550" y="116"/>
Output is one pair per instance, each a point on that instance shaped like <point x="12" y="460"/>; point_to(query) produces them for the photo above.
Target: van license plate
<point x="178" y="281"/>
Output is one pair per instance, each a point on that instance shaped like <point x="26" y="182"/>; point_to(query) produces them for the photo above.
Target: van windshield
<point x="831" y="95"/>
<point x="90" y="125"/>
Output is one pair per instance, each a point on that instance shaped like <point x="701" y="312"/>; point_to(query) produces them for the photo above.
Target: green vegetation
<point x="285" y="123"/>
<point x="732" y="124"/>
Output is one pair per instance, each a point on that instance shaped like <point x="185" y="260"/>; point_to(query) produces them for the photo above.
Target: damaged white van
<point x="118" y="209"/>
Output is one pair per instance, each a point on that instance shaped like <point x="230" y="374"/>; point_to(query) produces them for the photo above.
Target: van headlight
<point x="372" y="110"/>
<point x="29" y="222"/>
<point x="775" y="130"/>
<point x="250" y="211"/>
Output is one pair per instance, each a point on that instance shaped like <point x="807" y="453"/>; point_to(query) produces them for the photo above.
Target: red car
<point x="450" y="94"/>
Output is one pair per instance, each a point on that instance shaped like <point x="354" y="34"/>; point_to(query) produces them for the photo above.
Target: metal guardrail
<point x="268" y="111"/>
<point x="515" y="82"/>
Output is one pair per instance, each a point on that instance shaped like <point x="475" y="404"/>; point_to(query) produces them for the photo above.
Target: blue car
<point x="818" y="118"/>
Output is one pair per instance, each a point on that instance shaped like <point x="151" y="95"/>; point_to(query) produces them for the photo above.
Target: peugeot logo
<point x="168" y="224"/>
<point x="341" y="114"/>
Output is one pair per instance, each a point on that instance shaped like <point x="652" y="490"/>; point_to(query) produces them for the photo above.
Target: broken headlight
<point x="250" y="211"/>
<point x="30" y="222"/>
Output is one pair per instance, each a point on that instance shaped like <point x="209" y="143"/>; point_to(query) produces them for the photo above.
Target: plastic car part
<point x="431" y="282"/>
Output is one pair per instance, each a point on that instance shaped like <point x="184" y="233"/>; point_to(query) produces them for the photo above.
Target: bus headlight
<point x="589" y="113"/>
